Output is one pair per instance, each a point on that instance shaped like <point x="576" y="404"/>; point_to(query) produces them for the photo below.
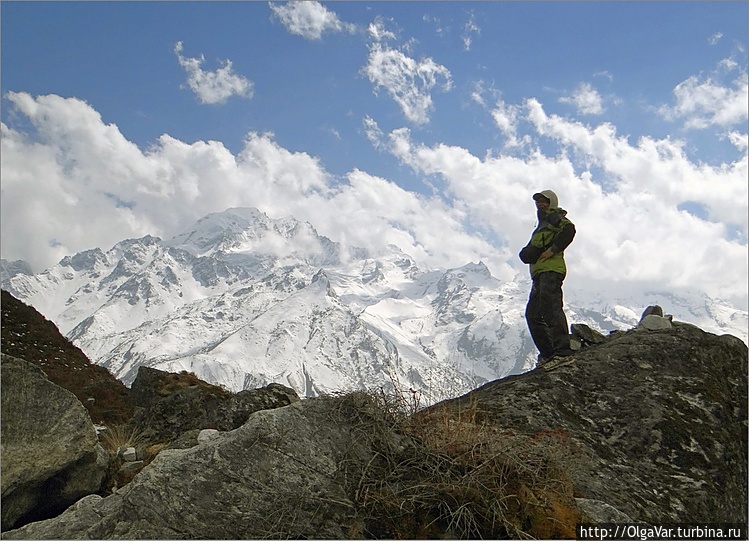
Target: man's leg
<point x="536" y="324"/>
<point x="552" y="309"/>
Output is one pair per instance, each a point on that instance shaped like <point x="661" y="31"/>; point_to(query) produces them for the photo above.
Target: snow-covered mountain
<point x="243" y="300"/>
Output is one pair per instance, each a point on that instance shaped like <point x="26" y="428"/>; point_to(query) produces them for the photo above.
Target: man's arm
<point x="564" y="238"/>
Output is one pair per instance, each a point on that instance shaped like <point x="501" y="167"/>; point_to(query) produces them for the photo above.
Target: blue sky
<point x="429" y="123"/>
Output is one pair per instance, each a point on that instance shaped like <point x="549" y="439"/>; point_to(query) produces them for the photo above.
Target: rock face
<point x="645" y="425"/>
<point x="660" y="415"/>
<point x="168" y="405"/>
<point x="50" y="453"/>
<point x="280" y="474"/>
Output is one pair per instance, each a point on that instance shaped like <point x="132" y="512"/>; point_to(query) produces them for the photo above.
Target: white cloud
<point x="507" y="118"/>
<point x="708" y="101"/>
<point x="739" y="140"/>
<point x="74" y="183"/>
<point x="656" y="167"/>
<point x="605" y="74"/>
<point x="634" y="232"/>
<point x="715" y="38"/>
<point x="213" y="87"/>
<point x="469" y="29"/>
<point x="409" y="82"/>
<point x="477" y="95"/>
<point x="586" y="99"/>
<point x="373" y="132"/>
<point x="704" y="103"/>
<point x="308" y="19"/>
<point x="379" y="32"/>
<point x="56" y="184"/>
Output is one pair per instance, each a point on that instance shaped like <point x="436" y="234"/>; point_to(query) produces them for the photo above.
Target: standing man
<point x="545" y="255"/>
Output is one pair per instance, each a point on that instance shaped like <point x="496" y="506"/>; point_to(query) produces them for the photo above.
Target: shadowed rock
<point x="657" y="419"/>
<point x="50" y="453"/>
<point x="169" y="404"/>
<point x="661" y="417"/>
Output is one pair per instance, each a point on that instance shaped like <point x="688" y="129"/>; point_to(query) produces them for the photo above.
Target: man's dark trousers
<point x="545" y="315"/>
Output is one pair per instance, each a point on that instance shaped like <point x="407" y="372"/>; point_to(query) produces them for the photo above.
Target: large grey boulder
<point x="279" y="475"/>
<point x="171" y="404"/>
<point x="659" y="417"/>
<point x="50" y="453"/>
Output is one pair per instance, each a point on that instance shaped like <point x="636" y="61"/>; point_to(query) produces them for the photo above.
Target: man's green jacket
<point x="555" y="232"/>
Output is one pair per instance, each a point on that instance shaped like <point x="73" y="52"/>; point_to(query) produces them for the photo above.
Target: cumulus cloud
<point x="213" y="87"/>
<point x="409" y="82"/>
<point x="507" y="117"/>
<point x="64" y="181"/>
<point x="72" y="182"/>
<point x="633" y="230"/>
<point x="711" y="101"/>
<point x="586" y="99"/>
<point x="658" y="167"/>
<point x="308" y="19"/>
<point x="702" y="103"/>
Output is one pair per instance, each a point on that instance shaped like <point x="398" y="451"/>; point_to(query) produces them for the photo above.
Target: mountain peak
<point x="230" y="299"/>
<point x="250" y="231"/>
<point x="219" y="231"/>
<point x="8" y="269"/>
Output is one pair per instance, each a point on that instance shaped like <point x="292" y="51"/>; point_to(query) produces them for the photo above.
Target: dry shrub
<point x="439" y="474"/>
<point x="117" y="436"/>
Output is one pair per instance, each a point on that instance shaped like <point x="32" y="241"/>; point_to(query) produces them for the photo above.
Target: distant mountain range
<point x="243" y="300"/>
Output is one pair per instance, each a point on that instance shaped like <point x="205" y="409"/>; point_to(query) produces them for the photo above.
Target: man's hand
<point x="545" y="255"/>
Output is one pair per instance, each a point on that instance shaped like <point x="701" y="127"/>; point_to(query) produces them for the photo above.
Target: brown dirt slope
<point x="28" y="335"/>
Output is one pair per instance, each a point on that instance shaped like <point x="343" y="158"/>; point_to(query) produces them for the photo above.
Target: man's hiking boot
<point x="560" y="358"/>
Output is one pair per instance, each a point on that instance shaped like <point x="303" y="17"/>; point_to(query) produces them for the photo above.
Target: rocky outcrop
<point x="278" y="475"/>
<point x="660" y="417"/>
<point x="642" y="426"/>
<point x="50" y="453"/>
<point x="168" y="405"/>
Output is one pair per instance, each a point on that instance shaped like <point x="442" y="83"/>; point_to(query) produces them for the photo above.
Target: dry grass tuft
<point x="115" y="437"/>
<point x="441" y="474"/>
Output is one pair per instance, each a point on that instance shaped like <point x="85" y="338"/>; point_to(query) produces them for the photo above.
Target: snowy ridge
<point x="243" y="300"/>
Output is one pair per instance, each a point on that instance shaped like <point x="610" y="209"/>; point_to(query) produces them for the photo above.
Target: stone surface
<point x="652" y="322"/>
<point x="278" y="475"/>
<point x="586" y="335"/>
<point x="168" y="405"/>
<point x="26" y="334"/>
<point x="651" y="424"/>
<point x="207" y="435"/>
<point x="652" y="310"/>
<point x="598" y="512"/>
<point x="661" y="418"/>
<point x="50" y="452"/>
